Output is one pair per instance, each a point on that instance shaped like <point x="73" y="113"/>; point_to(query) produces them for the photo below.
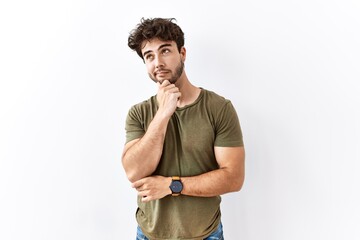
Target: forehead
<point x="155" y="44"/>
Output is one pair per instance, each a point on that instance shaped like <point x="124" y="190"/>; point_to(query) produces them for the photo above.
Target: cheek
<point x="150" y="68"/>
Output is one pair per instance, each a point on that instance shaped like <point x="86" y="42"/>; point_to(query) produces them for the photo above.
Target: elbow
<point x="132" y="180"/>
<point x="130" y="173"/>
<point x="238" y="185"/>
<point x="131" y="176"/>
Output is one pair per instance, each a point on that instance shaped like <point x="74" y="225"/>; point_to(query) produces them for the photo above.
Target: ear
<point x="183" y="53"/>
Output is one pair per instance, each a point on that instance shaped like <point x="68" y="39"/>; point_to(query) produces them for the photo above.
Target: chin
<point x="173" y="81"/>
<point x="156" y="80"/>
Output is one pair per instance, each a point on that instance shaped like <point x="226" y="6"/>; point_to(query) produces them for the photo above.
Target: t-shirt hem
<point x="230" y="144"/>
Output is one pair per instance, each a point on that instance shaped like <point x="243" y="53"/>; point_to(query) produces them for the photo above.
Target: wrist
<point x="176" y="186"/>
<point x="163" y="115"/>
<point x="167" y="184"/>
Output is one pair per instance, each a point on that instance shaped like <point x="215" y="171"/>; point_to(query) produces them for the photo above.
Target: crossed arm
<point x="228" y="178"/>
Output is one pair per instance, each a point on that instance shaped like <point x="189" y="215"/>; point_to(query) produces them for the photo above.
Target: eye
<point x="149" y="57"/>
<point x="165" y="51"/>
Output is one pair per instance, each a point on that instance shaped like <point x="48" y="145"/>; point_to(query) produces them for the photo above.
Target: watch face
<point x="176" y="186"/>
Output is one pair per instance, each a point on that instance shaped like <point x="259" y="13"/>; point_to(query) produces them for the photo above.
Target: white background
<point x="291" y="68"/>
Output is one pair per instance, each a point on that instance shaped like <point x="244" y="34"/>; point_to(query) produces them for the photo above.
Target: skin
<point x="165" y="66"/>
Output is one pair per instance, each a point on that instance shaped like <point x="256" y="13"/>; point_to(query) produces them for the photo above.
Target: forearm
<point x="209" y="184"/>
<point x="213" y="183"/>
<point x="141" y="159"/>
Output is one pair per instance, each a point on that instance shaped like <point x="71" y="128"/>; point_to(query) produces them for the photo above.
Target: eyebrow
<point x="161" y="46"/>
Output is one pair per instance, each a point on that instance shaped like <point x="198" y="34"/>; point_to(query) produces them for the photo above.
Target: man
<point x="183" y="146"/>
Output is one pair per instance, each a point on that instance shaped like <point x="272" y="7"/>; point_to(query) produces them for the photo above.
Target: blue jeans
<point x="216" y="235"/>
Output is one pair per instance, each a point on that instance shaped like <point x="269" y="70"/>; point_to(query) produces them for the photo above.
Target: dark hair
<point x="163" y="28"/>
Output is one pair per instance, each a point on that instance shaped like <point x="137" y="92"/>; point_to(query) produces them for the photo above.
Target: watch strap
<point x="175" y="178"/>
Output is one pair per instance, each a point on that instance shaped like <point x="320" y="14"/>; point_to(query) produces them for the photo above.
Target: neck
<point x="189" y="92"/>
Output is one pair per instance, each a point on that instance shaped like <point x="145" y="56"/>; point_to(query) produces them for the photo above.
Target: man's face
<point x="163" y="60"/>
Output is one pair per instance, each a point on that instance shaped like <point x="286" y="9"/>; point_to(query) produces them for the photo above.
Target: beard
<point x="178" y="71"/>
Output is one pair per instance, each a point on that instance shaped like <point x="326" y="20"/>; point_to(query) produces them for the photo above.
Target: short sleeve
<point x="134" y="125"/>
<point x="227" y="127"/>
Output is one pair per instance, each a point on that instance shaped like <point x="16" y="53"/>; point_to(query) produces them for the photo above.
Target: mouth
<point x="161" y="72"/>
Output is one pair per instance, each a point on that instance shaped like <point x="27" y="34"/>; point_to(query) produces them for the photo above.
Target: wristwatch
<point x="176" y="186"/>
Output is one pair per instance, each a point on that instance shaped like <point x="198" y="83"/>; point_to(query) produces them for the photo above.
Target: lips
<point x="161" y="72"/>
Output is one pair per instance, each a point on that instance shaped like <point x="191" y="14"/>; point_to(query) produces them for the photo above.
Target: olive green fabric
<point x="191" y="135"/>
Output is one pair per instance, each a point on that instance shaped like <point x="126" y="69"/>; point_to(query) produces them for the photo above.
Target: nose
<point x="159" y="63"/>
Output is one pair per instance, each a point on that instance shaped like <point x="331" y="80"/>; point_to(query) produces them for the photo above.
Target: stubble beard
<point x="178" y="71"/>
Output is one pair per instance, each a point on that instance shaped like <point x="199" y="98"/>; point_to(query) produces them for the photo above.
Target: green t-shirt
<point x="188" y="150"/>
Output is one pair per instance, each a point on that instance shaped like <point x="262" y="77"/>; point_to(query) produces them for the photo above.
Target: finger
<point x="173" y="89"/>
<point x="178" y="95"/>
<point x="146" y="199"/>
<point x="165" y="83"/>
<point x="137" y="184"/>
<point x="141" y="188"/>
<point x="143" y="193"/>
